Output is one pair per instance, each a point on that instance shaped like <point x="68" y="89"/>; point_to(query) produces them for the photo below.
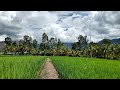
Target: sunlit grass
<point x="20" y="67"/>
<point x="86" y="68"/>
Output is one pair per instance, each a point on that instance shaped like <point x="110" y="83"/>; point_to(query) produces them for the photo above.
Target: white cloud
<point x="2" y="37"/>
<point x="66" y="25"/>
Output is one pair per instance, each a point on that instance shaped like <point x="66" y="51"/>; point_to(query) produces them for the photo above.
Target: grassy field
<point x="27" y="67"/>
<point x="86" y="68"/>
<point x="20" y="67"/>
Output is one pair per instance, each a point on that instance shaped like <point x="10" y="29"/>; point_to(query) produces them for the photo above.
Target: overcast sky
<point x="66" y="25"/>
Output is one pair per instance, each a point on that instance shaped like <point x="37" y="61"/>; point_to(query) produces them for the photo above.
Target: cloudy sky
<point x="66" y="25"/>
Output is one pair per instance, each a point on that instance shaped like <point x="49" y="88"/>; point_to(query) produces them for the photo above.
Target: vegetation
<point x="86" y="68"/>
<point x="54" y="47"/>
<point x="20" y="67"/>
<point x="83" y="62"/>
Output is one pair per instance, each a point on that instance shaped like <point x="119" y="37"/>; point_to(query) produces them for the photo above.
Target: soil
<point x="48" y="71"/>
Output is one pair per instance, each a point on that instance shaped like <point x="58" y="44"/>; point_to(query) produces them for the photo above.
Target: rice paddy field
<point x="20" y="67"/>
<point x="27" y="67"/>
<point x="86" y="68"/>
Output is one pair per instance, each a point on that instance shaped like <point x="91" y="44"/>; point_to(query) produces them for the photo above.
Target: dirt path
<point x="48" y="71"/>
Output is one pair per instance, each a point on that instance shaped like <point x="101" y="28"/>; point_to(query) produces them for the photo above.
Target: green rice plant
<point x="20" y="67"/>
<point x="86" y="68"/>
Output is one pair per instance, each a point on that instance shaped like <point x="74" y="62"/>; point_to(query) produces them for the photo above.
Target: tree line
<point x="54" y="47"/>
<point x="105" y="50"/>
<point x="27" y="46"/>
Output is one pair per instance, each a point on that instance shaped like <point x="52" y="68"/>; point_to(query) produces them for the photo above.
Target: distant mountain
<point x="114" y="41"/>
<point x="68" y="45"/>
<point x="2" y="45"/>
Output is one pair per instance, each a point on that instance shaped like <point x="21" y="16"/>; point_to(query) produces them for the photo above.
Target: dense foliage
<point x="20" y="67"/>
<point x="86" y="68"/>
<point x="54" y="47"/>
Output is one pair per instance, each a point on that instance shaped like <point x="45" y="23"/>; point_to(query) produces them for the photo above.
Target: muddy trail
<point x="48" y="71"/>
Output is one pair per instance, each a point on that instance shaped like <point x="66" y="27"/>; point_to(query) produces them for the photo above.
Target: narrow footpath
<point x="48" y="71"/>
